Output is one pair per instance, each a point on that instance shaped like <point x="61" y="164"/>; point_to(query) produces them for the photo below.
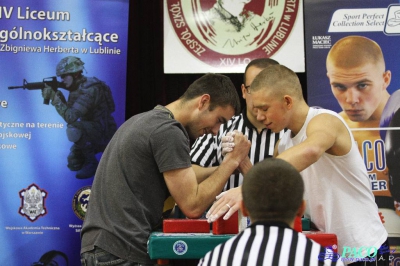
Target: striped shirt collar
<point x="271" y="223"/>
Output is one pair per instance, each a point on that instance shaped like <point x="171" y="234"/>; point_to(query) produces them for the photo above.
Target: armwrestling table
<point x="165" y="246"/>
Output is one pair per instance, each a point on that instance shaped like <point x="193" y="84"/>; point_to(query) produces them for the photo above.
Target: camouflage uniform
<point x="88" y="115"/>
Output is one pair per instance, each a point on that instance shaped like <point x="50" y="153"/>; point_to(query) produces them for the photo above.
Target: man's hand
<point x="227" y="143"/>
<point x="227" y="202"/>
<point x="48" y="93"/>
<point x="242" y="146"/>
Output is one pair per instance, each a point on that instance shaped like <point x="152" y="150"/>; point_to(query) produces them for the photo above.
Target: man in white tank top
<point x="321" y="147"/>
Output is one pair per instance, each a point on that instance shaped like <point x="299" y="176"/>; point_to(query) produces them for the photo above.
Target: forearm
<point x="245" y="165"/>
<point x="68" y="114"/>
<point x="194" y="198"/>
<point x="204" y="194"/>
<point x="300" y="156"/>
<point x="202" y="173"/>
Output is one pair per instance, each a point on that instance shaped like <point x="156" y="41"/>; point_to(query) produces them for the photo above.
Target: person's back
<point x="272" y="197"/>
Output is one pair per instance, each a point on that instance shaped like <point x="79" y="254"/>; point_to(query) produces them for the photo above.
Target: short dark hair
<point x="259" y="63"/>
<point x="220" y="88"/>
<point x="273" y="191"/>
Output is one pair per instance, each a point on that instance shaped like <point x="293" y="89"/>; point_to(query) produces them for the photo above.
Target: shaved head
<point x="358" y="77"/>
<point x="353" y="51"/>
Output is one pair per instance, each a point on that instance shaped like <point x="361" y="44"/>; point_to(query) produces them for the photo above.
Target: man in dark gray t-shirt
<point x="148" y="160"/>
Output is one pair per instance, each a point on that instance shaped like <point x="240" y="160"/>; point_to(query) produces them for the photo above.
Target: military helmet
<point x="68" y="65"/>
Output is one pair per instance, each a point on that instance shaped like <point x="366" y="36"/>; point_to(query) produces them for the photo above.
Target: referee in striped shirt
<point x="206" y="152"/>
<point x="272" y="197"/>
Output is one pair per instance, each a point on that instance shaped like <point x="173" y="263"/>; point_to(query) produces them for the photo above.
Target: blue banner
<point x="45" y="194"/>
<point x="361" y="87"/>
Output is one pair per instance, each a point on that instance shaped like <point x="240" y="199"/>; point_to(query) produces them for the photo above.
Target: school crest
<point x="221" y="32"/>
<point x="32" y="202"/>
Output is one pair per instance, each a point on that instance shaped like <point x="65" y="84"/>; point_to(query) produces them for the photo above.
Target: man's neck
<point x="298" y="118"/>
<point x="182" y="115"/>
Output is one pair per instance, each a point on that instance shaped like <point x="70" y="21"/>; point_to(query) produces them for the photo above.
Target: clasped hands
<point x="228" y="202"/>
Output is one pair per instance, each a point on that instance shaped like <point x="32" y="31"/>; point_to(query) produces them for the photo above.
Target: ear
<point x="204" y="101"/>
<point x="302" y="209"/>
<point x="288" y="101"/>
<point x="387" y="77"/>
<point x="243" y="209"/>
<point x="243" y="91"/>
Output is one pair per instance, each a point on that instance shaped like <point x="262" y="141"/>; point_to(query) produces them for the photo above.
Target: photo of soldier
<point x="359" y="80"/>
<point x="87" y="112"/>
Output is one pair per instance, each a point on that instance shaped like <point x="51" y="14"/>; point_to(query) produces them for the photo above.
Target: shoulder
<point x="318" y="111"/>
<point x="394" y="101"/>
<point x="91" y="83"/>
<point x="395" y="95"/>
<point x="325" y="116"/>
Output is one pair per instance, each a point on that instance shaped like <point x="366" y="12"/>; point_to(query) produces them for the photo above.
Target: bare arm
<point x="193" y="198"/>
<point x="276" y="153"/>
<point x="227" y="145"/>
<point x="245" y="165"/>
<point x="325" y="133"/>
<point x="202" y="172"/>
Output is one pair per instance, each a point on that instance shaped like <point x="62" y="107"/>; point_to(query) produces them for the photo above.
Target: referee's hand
<point x="227" y="203"/>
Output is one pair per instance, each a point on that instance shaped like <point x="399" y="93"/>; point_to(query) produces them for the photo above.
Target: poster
<point x="43" y="200"/>
<point x="366" y="99"/>
<point x="224" y="36"/>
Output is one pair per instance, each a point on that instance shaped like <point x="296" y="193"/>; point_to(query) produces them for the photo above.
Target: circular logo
<point x="80" y="202"/>
<point x="238" y="30"/>
<point x="180" y="247"/>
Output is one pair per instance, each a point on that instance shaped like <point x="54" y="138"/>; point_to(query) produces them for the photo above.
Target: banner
<point x="202" y="36"/>
<point x="50" y="146"/>
<point x="354" y="81"/>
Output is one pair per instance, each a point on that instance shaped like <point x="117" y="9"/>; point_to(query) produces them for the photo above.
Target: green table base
<point x="305" y="223"/>
<point x="190" y="245"/>
<point x="183" y="246"/>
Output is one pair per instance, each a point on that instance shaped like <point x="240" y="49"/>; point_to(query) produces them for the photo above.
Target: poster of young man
<point x="353" y="68"/>
<point x="62" y="82"/>
<point x="224" y="36"/>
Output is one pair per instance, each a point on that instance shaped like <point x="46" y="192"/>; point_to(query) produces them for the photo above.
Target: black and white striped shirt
<point x="207" y="152"/>
<point x="273" y="244"/>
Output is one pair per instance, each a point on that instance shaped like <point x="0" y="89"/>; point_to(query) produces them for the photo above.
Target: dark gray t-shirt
<point x="128" y="192"/>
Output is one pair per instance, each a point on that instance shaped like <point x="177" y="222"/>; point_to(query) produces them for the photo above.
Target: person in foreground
<point x="319" y="144"/>
<point x="146" y="161"/>
<point x="272" y="197"/>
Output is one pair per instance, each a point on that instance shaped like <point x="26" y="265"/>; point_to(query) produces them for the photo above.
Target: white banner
<point x="202" y="36"/>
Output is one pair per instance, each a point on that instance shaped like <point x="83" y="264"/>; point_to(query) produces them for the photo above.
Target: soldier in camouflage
<point x="87" y="112"/>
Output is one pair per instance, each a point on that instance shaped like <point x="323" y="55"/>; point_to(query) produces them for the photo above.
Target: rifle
<point x="51" y="81"/>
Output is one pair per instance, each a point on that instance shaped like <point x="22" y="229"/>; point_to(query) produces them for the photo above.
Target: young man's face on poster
<point x="359" y="89"/>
